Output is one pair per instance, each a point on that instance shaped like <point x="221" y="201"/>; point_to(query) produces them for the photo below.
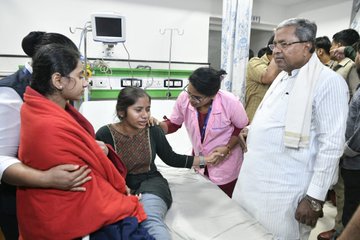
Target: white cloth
<point x="298" y="116"/>
<point x="274" y="178"/>
<point x="10" y="104"/>
<point x="202" y="211"/>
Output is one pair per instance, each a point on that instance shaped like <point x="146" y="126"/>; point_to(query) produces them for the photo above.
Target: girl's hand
<point x="214" y="158"/>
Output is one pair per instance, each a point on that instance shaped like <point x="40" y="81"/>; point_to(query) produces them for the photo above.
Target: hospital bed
<point x="200" y="210"/>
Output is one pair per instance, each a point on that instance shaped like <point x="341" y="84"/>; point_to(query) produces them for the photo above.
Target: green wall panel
<point x="106" y="94"/>
<point x="103" y="94"/>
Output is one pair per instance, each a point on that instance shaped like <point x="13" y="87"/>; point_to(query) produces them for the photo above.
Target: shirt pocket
<point x="220" y="121"/>
<point x="279" y="110"/>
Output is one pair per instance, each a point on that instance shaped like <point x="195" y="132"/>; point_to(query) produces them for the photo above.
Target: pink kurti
<point x="227" y="112"/>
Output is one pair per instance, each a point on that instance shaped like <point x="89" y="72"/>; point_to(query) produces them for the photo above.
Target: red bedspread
<point x="51" y="136"/>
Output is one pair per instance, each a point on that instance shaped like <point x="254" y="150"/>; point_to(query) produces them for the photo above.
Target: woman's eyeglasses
<point x="195" y="98"/>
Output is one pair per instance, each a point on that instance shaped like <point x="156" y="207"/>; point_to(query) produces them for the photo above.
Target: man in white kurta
<point x="276" y="180"/>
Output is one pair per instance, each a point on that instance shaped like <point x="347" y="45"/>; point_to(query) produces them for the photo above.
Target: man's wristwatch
<point x="202" y="161"/>
<point x="315" y="205"/>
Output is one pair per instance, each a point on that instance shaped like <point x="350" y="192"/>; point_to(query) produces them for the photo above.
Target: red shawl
<point x="51" y="136"/>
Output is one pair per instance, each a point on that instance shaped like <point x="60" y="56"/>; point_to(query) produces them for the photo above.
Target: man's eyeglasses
<point x="195" y="98"/>
<point x="283" y="45"/>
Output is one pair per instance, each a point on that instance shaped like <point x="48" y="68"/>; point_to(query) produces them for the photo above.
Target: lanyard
<point x="203" y="129"/>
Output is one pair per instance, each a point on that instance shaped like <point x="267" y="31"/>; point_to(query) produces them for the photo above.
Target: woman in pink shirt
<point x="213" y="119"/>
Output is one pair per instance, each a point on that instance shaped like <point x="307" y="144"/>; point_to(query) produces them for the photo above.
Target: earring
<point x="61" y="87"/>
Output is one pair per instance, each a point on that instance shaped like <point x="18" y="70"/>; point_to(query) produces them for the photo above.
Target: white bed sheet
<point x="200" y="210"/>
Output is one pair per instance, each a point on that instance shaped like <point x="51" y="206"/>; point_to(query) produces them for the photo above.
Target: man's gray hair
<point x="305" y="30"/>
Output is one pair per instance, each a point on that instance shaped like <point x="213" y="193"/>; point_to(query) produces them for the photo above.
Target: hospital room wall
<point x="330" y="16"/>
<point x="144" y="21"/>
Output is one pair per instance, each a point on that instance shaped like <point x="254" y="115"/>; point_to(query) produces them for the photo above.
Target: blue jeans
<point x="155" y="209"/>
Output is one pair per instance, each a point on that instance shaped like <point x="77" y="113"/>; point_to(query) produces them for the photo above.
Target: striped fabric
<point x="274" y="178"/>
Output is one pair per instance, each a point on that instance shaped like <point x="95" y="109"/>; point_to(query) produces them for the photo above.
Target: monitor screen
<point x="108" y="27"/>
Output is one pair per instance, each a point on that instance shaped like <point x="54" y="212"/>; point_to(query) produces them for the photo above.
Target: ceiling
<point x="291" y="2"/>
<point x="287" y="2"/>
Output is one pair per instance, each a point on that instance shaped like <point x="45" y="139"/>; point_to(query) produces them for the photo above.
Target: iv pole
<point x="180" y="33"/>
<point x="84" y="31"/>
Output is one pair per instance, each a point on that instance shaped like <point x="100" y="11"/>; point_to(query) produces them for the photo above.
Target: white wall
<point x="144" y="21"/>
<point x="330" y="16"/>
<point x="269" y="13"/>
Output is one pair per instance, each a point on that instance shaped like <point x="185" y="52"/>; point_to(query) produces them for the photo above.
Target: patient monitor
<point x="108" y="27"/>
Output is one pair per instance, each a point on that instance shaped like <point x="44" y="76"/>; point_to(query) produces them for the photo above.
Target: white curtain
<point x="235" y="41"/>
<point x="355" y="15"/>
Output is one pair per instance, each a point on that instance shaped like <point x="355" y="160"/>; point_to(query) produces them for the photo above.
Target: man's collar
<point x="28" y="67"/>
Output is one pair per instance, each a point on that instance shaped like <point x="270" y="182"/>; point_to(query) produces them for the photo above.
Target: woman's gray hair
<point x="305" y="30"/>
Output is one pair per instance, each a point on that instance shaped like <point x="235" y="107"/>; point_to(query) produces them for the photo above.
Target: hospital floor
<point x="325" y="223"/>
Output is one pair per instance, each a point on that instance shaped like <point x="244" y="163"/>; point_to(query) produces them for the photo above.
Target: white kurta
<point x="273" y="178"/>
<point x="10" y="104"/>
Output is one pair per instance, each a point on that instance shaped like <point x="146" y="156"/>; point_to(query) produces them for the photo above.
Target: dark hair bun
<point x="30" y="42"/>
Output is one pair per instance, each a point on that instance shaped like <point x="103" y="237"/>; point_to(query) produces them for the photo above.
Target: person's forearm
<point x="19" y="174"/>
<point x="270" y="74"/>
<point x="196" y="161"/>
<point x="350" y="52"/>
<point x="164" y="127"/>
<point x="352" y="229"/>
<point x="234" y="140"/>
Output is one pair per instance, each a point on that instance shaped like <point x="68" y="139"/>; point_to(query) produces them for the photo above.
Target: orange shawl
<point x="51" y="136"/>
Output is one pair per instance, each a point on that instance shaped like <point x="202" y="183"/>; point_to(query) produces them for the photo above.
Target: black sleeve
<point x="165" y="152"/>
<point x="104" y="134"/>
<point x="350" y="52"/>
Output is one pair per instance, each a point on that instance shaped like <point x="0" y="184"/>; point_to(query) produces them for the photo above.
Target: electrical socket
<point x="100" y="83"/>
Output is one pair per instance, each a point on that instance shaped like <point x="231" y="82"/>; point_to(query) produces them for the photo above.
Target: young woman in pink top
<point x="213" y="119"/>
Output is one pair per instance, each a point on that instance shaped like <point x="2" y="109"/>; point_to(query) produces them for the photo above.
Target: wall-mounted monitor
<point x="108" y="27"/>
